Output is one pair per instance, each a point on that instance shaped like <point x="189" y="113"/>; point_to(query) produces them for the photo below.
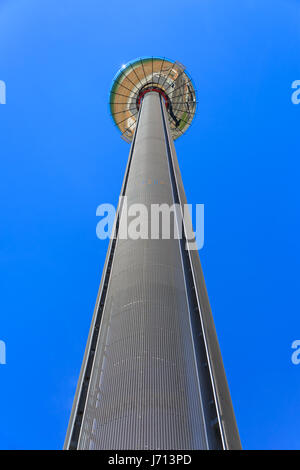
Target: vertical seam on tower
<point x="177" y="200"/>
<point x="87" y="374"/>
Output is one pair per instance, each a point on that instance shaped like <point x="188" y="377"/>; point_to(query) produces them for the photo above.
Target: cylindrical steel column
<point x="152" y="376"/>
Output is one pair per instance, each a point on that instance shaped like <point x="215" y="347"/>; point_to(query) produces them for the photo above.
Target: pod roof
<point x="165" y="76"/>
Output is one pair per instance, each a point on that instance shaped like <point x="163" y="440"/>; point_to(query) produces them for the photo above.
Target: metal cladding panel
<point x="228" y="425"/>
<point x="144" y="390"/>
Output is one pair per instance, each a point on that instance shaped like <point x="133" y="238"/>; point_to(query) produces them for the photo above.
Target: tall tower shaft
<point x="152" y="375"/>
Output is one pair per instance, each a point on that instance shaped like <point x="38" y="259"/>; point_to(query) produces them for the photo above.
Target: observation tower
<point x="152" y="376"/>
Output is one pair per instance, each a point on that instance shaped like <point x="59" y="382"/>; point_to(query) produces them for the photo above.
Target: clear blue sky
<point x="60" y="157"/>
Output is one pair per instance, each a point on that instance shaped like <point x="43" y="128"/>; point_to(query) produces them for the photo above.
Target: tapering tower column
<point x="152" y="375"/>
